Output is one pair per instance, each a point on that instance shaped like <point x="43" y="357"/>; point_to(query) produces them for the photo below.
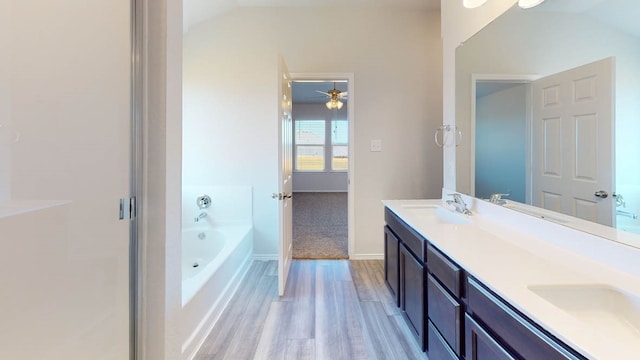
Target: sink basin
<point x="606" y="307"/>
<point x="439" y="214"/>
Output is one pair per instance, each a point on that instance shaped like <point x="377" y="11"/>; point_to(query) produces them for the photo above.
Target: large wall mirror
<point x="549" y="102"/>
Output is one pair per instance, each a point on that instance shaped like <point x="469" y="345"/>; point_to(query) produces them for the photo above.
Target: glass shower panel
<point x="64" y="165"/>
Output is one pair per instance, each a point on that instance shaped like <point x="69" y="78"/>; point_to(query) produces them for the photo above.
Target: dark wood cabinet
<point x="438" y="347"/>
<point x="412" y="293"/>
<point x="391" y="263"/>
<point x="445" y="313"/>
<point x="512" y="329"/>
<point x="404" y="261"/>
<point x="452" y="315"/>
<point x="446" y="271"/>
<point x="482" y="346"/>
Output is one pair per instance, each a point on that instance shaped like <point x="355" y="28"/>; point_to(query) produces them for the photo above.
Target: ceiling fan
<point x="335" y="96"/>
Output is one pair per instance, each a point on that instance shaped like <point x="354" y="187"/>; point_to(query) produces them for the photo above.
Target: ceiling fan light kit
<point x="525" y="4"/>
<point x="334" y="104"/>
<point x="334" y="98"/>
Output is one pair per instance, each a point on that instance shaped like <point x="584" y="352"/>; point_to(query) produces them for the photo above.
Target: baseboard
<point x="265" y="257"/>
<point x="367" y="257"/>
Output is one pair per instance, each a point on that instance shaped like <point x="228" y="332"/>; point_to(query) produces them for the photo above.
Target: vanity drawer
<point x="509" y="327"/>
<point x="449" y="274"/>
<point x="438" y="347"/>
<point x="411" y="239"/>
<point x="445" y="312"/>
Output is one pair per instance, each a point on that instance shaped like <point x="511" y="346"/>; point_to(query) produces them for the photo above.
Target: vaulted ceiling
<point x="196" y="11"/>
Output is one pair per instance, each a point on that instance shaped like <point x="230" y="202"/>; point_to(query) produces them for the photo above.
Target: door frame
<point x="136" y="185"/>
<point x="349" y="77"/>
<point x="500" y="78"/>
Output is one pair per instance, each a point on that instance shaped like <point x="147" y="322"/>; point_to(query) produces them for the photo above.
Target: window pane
<point x="309" y="158"/>
<point x="339" y="132"/>
<point x="310" y="132"/>
<point x="340" y="159"/>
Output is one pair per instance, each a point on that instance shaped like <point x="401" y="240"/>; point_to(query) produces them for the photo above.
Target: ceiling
<point x="306" y="92"/>
<point x="196" y="11"/>
<point x="619" y="14"/>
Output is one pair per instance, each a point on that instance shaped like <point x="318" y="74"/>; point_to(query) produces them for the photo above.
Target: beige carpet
<point x="320" y="226"/>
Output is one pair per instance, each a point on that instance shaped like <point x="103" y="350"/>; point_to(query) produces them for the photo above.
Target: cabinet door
<point x="391" y="263"/>
<point x="479" y="345"/>
<point x="412" y="289"/>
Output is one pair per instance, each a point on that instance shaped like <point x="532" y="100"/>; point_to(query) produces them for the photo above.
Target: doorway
<point x="493" y="143"/>
<point x="322" y="163"/>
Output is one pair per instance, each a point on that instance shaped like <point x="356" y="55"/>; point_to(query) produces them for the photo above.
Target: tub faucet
<point x="459" y="204"/>
<point x="201" y="216"/>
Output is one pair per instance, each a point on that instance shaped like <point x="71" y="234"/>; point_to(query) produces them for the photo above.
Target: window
<point x="321" y="146"/>
<point x="339" y="145"/>
<point x="310" y="145"/>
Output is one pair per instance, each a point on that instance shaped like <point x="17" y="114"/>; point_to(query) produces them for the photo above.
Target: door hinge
<point x="128" y="210"/>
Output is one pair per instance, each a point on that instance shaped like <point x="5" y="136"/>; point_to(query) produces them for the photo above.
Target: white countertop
<point x="510" y="253"/>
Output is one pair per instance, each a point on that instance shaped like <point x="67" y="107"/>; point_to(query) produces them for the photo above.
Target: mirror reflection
<point x="548" y="101"/>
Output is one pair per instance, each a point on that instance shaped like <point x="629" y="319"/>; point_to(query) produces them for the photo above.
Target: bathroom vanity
<point x="473" y="287"/>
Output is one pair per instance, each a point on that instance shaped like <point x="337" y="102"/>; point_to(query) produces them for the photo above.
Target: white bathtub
<point x="214" y="260"/>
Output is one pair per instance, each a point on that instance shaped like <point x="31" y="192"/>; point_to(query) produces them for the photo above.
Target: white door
<point x="64" y="164"/>
<point x="284" y="195"/>
<point x="572" y="139"/>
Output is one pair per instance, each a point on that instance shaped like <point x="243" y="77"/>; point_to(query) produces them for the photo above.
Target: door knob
<point x="601" y="194"/>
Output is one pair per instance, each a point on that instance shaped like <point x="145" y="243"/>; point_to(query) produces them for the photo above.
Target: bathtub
<point x="214" y="260"/>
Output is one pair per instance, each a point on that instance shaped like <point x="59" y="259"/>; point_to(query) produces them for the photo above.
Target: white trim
<point x="499" y="78"/>
<point x="265" y="257"/>
<point x="367" y="257"/>
<point x="350" y="77"/>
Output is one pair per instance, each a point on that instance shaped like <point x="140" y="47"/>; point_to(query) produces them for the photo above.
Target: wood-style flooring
<point x="332" y="309"/>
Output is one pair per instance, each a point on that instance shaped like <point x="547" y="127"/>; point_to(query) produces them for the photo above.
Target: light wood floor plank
<point x="216" y="345"/>
<point x="387" y="339"/>
<point x="273" y="338"/>
<point x="369" y="281"/>
<point x="331" y="310"/>
<point x="298" y="349"/>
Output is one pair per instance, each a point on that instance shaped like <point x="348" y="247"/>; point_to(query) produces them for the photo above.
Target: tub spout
<point x="201" y="216"/>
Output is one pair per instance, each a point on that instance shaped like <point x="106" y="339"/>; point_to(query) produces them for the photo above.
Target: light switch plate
<point x="376" y="145"/>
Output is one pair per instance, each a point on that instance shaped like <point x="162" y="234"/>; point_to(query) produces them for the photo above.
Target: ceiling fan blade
<point x="324" y="93"/>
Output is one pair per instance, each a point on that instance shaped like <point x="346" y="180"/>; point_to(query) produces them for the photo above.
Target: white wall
<point x="326" y="181"/>
<point x="5" y="107"/>
<point x="501" y="144"/>
<point x="230" y="86"/>
<point x="458" y="25"/>
<point x="161" y="208"/>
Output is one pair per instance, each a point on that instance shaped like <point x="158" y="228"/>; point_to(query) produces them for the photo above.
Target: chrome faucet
<point x="201" y="216"/>
<point x="459" y="204"/>
<point x="497" y="199"/>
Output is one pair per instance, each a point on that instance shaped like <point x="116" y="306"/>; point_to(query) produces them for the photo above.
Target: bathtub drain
<point x="195" y="265"/>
